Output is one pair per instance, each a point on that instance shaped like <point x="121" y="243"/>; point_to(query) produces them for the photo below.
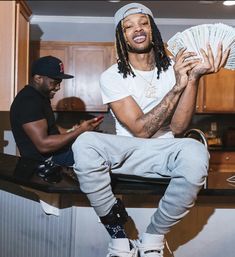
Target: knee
<point x="194" y="149"/>
<point x="195" y="157"/>
<point x="83" y="141"/>
<point x="83" y="148"/>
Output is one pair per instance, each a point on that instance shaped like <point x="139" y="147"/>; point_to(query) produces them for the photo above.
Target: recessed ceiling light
<point x="229" y="3"/>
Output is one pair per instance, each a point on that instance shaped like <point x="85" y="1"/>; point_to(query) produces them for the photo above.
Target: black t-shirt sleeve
<point x="30" y="110"/>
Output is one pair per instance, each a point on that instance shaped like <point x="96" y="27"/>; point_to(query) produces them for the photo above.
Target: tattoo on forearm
<point x="161" y="113"/>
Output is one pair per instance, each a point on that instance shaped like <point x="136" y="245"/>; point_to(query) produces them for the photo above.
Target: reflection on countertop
<point x="221" y="148"/>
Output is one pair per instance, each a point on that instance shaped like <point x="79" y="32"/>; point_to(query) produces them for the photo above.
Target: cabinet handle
<point x="197" y="107"/>
<point x="204" y="106"/>
<point x="227" y="158"/>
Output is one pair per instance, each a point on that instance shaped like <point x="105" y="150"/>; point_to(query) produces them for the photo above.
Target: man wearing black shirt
<point x="32" y="119"/>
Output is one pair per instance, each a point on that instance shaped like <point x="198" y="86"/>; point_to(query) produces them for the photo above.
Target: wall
<point x="100" y="29"/>
<point x="7" y="143"/>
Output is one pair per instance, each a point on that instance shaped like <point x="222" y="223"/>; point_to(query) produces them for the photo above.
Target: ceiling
<point x="160" y="9"/>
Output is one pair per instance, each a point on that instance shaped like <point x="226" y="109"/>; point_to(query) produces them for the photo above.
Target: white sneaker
<point x="151" y="245"/>
<point x="122" y="247"/>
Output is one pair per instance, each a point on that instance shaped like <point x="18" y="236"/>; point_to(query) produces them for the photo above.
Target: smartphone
<point x="100" y="117"/>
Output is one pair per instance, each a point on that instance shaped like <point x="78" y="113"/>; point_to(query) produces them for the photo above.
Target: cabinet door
<point x="7" y="51"/>
<point x="199" y="102"/>
<point x="88" y="62"/>
<point x="14" y="50"/>
<point x="218" y="93"/>
<point x="22" y="46"/>
<point x="60" y="101"/>
<point x="222" y="161"/>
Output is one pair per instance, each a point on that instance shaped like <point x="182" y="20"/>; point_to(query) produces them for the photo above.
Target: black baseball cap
<point x="49" y="66"/>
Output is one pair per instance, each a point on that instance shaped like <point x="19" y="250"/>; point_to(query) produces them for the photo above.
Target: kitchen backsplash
<point x="225" y="125"/>
<point x="215" y="126"/>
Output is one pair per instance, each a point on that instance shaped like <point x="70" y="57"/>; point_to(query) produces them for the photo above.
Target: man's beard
<point x="139" y="51"/>
<point x="45" y="91"/>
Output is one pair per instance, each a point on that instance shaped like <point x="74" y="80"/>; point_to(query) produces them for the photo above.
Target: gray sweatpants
<point x="185" y="160"/>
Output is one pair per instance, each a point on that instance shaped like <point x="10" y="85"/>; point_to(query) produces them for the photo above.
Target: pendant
<point x="151" y="92"/>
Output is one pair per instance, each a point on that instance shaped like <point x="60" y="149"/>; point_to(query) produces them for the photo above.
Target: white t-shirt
<point x="114" y="87"/>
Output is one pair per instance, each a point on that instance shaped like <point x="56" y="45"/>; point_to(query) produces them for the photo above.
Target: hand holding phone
<point x="100" y="117"/>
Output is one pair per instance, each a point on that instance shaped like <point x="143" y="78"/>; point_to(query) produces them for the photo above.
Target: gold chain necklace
<point x="150" y="90"/>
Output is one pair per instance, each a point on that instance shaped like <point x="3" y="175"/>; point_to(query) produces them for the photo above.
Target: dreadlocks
<point x="161" y="59"/>
<point x="122" y="54"/>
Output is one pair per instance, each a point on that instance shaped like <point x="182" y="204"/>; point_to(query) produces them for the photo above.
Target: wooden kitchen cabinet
<point x="14" y="50"/>
<point x="217" y="93"/>
<point x="86" y="61"/>
<point x="222" y="161"/>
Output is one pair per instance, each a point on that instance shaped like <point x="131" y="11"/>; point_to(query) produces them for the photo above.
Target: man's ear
<point x="37" y="79"/>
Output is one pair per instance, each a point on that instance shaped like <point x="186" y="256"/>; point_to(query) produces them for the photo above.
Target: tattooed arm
<point x="146" y="125"/>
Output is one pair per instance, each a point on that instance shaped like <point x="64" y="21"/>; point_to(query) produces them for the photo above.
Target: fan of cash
<point x="198" y="37"/>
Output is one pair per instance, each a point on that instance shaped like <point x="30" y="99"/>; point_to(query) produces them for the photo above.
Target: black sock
<point x="116" y="231"/>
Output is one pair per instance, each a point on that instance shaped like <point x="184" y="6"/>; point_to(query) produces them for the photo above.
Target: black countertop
<point x="222" y="148"/>
<point x="24" y="172"/>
